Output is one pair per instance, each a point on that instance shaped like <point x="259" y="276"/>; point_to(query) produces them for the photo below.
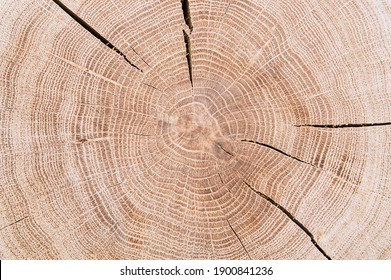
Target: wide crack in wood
<point x="237" y="236"/>
<point x="95" y="33"/>
<point x="17" y="221"/>
<point x="188" y="55"/>
<point x="343" y="125"/>
<point x="275" y="149"/>
<point x="291" y="217"/>
<point x="186" y="14"/>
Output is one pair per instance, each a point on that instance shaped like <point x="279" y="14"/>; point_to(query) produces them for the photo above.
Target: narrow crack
<point x="95" y="33"/>
<point x="186" y="14"/>
<point x="221" y="147"/>
<point x="90" y="140"/>
<point x="17" y="221"/>
<point x="81" y="141"/>
<point x="237" y="236"/>
<point x="141" y="134"/>
<point x="221" y="179"/>
<point x="148" y="85"/>
<point x="292" y="218"/>
<point x="275" y="149"/>
<point x="97" y="139"/>
<point x="227" y="8"/>
<point x="343" y="125"/>
<point x="188" y="55"/>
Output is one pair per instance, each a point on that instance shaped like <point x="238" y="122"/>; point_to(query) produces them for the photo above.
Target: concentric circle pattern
<point x="195" y="129"/>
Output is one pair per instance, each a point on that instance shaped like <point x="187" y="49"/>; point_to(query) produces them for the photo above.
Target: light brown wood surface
<point x="219" y="129"/>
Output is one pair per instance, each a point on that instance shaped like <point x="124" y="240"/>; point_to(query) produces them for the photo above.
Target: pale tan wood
<point x="210" y="130"/>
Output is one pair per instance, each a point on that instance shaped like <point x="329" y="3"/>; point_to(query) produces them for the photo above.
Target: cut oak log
<point x="189" y="129"/>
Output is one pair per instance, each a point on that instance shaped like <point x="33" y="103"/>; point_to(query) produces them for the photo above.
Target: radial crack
<point x="275" y="149"/>
<point x="97" y="139"/>
<point x="343" y="125"/>
<point x="141" y="134"/>
<point x="237" y="236"/>
<point x="148" y="85"/>
<point x="188" y="55"/>
<point x="226" y="9"/>
<point x="95" y="33"/>
<point x="291" y="217"/>
<point x="17" y="221"/>
<point x="221" y="179"/>
<point x="186" y="14"/>
<point x="224" y="150"/>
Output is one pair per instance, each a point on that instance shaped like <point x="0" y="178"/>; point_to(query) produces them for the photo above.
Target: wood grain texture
<point x="188" y="129"/>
